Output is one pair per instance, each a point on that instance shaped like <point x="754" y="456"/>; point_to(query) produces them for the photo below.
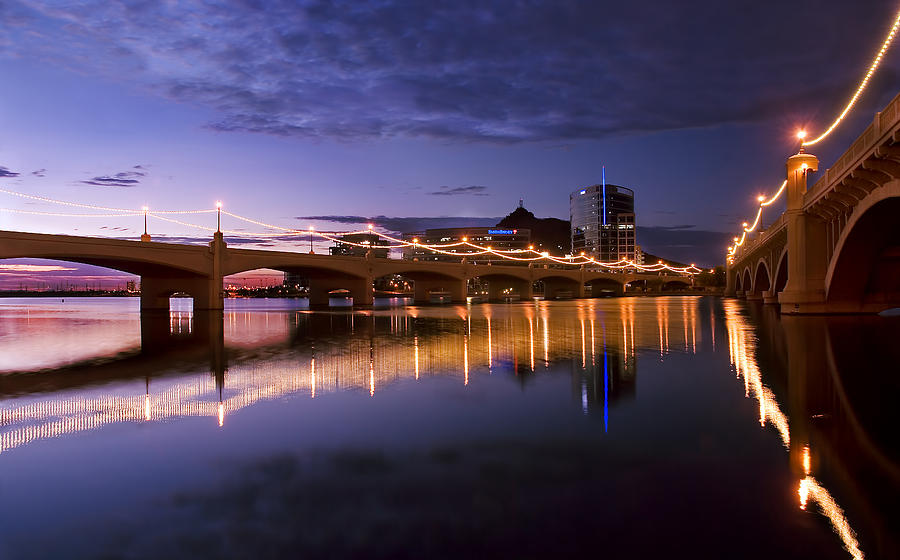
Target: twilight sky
<point x="286" y="110"/>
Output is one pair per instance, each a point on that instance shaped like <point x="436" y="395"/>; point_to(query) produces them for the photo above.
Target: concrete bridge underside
<point x="197" y="270"/>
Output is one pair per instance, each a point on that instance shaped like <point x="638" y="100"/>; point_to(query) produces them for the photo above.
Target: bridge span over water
<point x="836" y="248"/>
<point x="198" y="270"/>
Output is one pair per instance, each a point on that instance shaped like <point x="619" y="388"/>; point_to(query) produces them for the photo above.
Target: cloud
<point x="4" y="172"/>
<point x="461" y="70"/>
<point x="405" y="224"/>
<point x="39" y="173"/>
<point x="475" y="190"/>
<point x="122" y="179"/>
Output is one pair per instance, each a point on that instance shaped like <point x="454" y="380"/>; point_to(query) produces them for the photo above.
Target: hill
<point x="547" y="234"/>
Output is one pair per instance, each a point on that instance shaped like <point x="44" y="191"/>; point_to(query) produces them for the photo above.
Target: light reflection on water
<point x="195" y="366"/>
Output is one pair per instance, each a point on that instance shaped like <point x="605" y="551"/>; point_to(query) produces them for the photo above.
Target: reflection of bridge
<point x="821" y="398"/>
<point x="167" y="268"/>
<point x="836" y="249"/>
<point x="315" y="354"/>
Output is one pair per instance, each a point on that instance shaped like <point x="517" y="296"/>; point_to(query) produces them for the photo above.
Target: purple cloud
<point x="500" y="72"/>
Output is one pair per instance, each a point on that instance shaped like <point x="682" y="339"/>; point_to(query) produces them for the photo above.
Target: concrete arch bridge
<point x="836" y="248"/>
<point x="198" y="270"/>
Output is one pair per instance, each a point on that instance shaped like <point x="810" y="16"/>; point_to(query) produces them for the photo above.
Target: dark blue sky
<point x="425" y="109"/>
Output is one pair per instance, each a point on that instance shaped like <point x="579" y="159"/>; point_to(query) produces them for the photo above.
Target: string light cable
<point x="518" y="255"/>
<point x="873" y="67"/>
<point x="67" y="215"/>
<point x="763" y="202"/>
<point x="95" y="207"/>
<point x="862" y="85"/>
<point x="339" y="237"/>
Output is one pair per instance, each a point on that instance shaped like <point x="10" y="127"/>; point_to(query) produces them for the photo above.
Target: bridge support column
<point x="806" y="244"/>
<point x="730" y="282"/>
<point x="424" y="288"/>
<point x="770" y="298"/>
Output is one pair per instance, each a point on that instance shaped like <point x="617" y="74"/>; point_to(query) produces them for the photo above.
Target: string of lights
<point x="95" y="207"/>
<point x="862" y="85"/>
<point x="67" y="215"/>
<point x="529" y="255"/>
<point x="441" y="248"/>
<point x="747" y="228"/>
<point x="885" y="45"/>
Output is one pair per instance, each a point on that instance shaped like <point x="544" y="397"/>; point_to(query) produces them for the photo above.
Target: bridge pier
<point x="770" y="298"/>
<point x="806" y="244"/>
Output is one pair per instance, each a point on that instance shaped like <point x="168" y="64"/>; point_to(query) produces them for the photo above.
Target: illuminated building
<point x="602" y="218"/>
<point x="503" y="239"/>
<point x="352" y="248"/>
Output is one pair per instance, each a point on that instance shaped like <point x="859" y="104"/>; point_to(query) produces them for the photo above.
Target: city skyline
<point x="388" y="110"/>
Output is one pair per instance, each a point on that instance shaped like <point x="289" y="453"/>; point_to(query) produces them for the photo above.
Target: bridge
<point x="198" y="270"/>
<point x="836" y="247"/>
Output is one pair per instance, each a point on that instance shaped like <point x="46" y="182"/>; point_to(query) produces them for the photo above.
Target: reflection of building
<point x="494" y="237"/>
<point x="605" y="378"/>
<point x="602" y="218"/>
<point x="351" y="246"/>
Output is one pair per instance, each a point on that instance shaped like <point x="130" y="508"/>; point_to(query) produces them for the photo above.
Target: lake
<point x="625" y="427"/>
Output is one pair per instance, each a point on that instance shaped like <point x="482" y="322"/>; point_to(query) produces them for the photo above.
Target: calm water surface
<point x="623" y="428"/>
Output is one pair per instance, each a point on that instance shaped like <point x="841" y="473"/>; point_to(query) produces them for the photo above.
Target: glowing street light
<point x="218" y="216"/>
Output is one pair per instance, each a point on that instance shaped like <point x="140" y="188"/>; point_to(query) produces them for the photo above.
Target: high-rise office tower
<point x="602" y="218"/>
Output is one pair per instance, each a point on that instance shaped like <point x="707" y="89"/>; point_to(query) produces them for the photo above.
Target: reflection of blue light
<point x="605" y="392"/>
<point x="584" y="397"/>
<point x="501" y="231"/>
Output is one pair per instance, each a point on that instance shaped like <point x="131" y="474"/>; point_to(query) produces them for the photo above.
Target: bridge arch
<point x="129" y="264"/>
<point x="607" y="286"/>
<point x="501" y="285"/>
<point x="676" y="284"/>
<point x="431" y="284"/>
<point x="780" y="278"/>
<point x="864" y="273"/>
<point x="561" y="286"/>
<point x="747" y="281"/>
<point x="761" y="278"/>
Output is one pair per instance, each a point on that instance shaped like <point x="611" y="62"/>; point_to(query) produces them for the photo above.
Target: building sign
<point x="502" y="231"/>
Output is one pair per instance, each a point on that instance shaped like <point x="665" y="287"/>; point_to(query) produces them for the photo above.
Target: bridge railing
<point x="881" y="124"/>
<point x="761" y="238"/>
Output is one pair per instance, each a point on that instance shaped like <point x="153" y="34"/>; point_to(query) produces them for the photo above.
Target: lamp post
<point x="218" y="216"/>
<point x="145" y="236"/>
